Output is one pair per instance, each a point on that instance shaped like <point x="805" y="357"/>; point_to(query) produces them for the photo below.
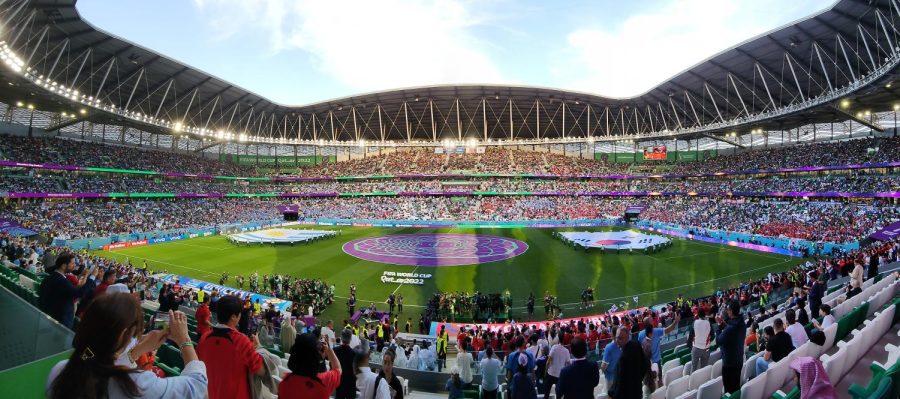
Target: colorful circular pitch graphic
<point x="434" y="250"/>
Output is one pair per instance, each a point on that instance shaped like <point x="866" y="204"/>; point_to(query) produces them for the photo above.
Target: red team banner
<point x="658" y="153"/>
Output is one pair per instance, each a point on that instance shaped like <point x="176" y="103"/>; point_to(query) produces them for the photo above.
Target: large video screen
<point x="657" y="153"/>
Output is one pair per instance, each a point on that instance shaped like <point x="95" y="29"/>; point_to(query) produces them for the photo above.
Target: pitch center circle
<point x="435" y="250"/>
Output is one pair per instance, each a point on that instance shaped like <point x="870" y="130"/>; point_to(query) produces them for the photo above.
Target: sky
<point x="297" y="52"/>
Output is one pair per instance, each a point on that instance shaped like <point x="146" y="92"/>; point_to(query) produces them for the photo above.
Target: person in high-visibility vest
<point x="200" y="295"/>
<point x="442" y="341"/>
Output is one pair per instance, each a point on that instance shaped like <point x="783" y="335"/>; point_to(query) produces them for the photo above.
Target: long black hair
<point x="305" y="356"/>
<point x="97" y="342"/>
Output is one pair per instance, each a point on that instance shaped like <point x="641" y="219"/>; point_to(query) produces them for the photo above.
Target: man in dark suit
<point x="57" y="294"/>
<point x="578" y="379"/>
<point x="345" y="355"/>
<point x="632" y="368"/>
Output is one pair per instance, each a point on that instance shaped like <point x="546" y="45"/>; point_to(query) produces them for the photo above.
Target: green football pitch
<point x="692" y="268"/>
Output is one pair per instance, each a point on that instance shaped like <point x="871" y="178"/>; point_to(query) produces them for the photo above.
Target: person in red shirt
<point x="229" y="355"/>
<point x="304" y="381"/>
<point x="109" y="278"/>
<point x="461" y="337"/>
<point x="203" y="316"/>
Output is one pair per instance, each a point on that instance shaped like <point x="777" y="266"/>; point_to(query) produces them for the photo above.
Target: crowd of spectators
<point x="72" y="219"/>
<point x="90" y="154"/>
<point x="428" y="161"/>
<point x="118" y="184"/>
<point x="817" y="221"/>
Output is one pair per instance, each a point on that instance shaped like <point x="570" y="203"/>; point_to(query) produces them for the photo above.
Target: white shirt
<point x="328" y="333"/>
<point x="190" y="384"/>
<point x="827" y="321"/>
<point x="798" y="334"/>
<point x="365" y="383"/>
<point x="558" y="358"/>
<point x="464" y="362"/>
<point x="701" y="333"/>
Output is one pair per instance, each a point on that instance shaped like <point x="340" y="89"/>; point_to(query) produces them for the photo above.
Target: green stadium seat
<point x="793" y="394"/>
<point x="879" y="376"/>
<point x="170" y="371"/>
<point x="171" y="356"/>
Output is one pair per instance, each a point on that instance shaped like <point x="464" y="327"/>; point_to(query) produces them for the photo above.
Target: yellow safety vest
<point x="200" y="295"/>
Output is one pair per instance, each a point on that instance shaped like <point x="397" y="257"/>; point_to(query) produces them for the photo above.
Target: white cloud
<point x="368" y="45"/>
<point x="652" y="46"/>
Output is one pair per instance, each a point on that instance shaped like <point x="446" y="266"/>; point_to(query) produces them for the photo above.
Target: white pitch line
<point x="401" y="284"/>
<point x="619" y="297"/>
<point x="740" y="250"/>
<point x="680" y="286"/>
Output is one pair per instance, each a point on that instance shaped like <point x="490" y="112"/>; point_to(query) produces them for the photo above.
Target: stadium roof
<point x="791" y="76"/>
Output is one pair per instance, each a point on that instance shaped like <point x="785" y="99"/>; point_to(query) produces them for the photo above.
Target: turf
<point x="689" y="267"/>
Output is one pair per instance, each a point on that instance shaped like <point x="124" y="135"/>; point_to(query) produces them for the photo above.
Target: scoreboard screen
<point x="657" y="153"/>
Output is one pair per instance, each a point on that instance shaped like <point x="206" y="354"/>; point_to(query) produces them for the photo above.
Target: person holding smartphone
<point x="95" y="368"/>
<point x="229" y="355"/>
<point x="305" y="381"/>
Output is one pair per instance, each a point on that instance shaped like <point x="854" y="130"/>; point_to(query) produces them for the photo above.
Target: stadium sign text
<point x="404" y="278"/>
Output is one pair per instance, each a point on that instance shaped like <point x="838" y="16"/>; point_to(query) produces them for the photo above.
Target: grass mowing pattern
<point x="690" y="267"/>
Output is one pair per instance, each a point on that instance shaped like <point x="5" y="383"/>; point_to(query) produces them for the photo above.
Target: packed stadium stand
<point x="808" y="167"/>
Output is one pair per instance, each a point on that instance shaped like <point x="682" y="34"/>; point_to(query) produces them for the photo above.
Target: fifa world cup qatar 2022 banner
<point x="186" y="282"/>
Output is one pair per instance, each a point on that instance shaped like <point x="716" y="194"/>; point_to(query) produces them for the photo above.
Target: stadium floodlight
<point x="19" y="104"/>
<point x="845" y="103"/>
<point x="867" y="113"/>
<point x="896" y="107"/>
<point x="178" y="126"/>
<point x="30" y="106"/>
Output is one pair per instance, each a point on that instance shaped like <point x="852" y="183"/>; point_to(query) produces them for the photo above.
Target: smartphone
<point x="161" y="321"/>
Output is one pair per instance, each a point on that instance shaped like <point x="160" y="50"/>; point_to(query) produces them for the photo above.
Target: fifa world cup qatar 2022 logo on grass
<point x="434" y="250"/>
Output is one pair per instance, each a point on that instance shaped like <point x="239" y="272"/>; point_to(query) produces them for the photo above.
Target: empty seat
<point x="659" y="393"/>
<point x="673" y="374"/>
<point x="714" y="356"/>
<point x="777" y="373"/>
<point x="670" y="365"/>
<point x="717" y="369"/>
<point x="754" y="389"/>
<point x="747" y="373"/>
<point x="678" y="387"/>
<point x="688" y="395"/>
<point x="834" y="365"/>
<point x="700" y="377"/>
<point x="712" y="389"/>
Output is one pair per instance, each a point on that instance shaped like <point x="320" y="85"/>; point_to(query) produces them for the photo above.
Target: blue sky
<point x="297" y="52"/>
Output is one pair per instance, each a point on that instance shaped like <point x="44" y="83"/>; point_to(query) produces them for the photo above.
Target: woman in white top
<point x="464" y="362"/>
<point x="367" y="382"/>
<point x="104" y="334"/>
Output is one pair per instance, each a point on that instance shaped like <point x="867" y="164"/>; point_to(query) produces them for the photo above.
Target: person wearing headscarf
<point x="414" y="362"/>
<point x="811" y="378"/>
<point x="402" y="361"/>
